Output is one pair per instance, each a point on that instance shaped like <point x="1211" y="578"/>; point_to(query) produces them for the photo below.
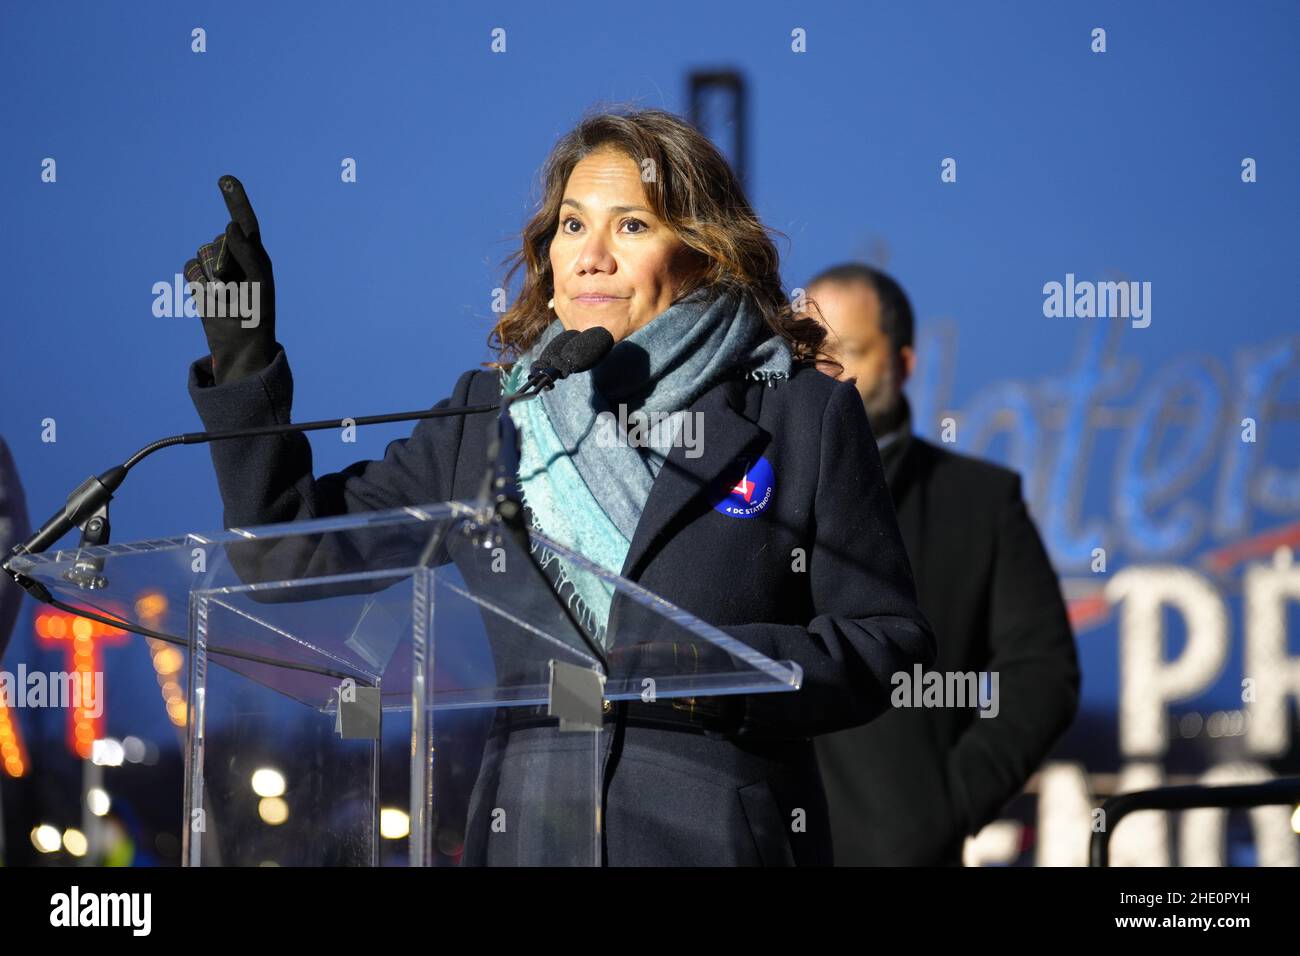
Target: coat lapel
<point x="687" y="487"/>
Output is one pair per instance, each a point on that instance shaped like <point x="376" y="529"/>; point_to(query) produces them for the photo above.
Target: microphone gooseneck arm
<point x="96" y="491"/>
<point x="87" y="507"/>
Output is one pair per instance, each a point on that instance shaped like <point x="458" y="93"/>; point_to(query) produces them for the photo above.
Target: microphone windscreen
<point x="585" y="351"/>
<point x="550" y="356"/>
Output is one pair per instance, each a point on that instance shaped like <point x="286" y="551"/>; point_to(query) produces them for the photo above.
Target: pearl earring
<point x="550" y="304"/>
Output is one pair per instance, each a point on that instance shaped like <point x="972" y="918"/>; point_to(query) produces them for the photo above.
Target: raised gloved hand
<point x="238" y="304"/>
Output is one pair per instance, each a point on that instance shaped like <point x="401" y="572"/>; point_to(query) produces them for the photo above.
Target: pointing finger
<point x="241" y="210"/>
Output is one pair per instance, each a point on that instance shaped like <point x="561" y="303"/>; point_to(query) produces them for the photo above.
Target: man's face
<point x="851" y="313"/>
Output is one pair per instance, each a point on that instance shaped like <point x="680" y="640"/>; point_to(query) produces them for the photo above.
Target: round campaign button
<point x="752" y="493"/>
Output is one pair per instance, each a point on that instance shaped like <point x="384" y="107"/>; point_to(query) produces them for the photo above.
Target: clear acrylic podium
<point x="395" y="687"/>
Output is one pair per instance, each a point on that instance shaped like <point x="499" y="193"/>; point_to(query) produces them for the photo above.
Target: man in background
<point x="909" y="787"/>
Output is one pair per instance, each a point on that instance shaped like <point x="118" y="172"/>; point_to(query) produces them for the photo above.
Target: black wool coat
<point x="992" y="596"/>
<point x="819" y="578"/>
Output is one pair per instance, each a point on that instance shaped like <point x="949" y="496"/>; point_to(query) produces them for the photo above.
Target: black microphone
<point x="586" y="351"/>
<point x="568" y="353"/>
<point x="546" y="371"/>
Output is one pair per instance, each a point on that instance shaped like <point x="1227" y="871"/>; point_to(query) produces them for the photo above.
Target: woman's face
<point x="614" y="262"/>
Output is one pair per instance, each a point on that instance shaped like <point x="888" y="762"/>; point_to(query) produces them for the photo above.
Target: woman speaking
<point x="773" y="523"/>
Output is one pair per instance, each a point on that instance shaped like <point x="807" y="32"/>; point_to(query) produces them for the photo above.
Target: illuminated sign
<point x="83" y="641"/>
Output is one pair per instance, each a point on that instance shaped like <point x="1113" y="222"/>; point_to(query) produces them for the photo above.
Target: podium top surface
<point x="301" y="606"/>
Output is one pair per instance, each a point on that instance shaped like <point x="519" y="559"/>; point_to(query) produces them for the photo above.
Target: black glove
<point x="240" y="346"/>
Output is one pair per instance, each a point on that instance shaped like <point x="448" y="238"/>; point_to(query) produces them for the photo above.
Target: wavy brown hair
<point x="693" y="190"/>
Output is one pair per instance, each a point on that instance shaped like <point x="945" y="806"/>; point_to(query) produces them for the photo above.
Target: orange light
<point x="15" y="760"/>
<point x="151" y="604"/>
<point x="167" y="660"/>
<point x="86" y="647"/>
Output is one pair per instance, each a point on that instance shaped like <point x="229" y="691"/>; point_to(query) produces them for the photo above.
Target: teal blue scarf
<point x="585" y="477"/>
